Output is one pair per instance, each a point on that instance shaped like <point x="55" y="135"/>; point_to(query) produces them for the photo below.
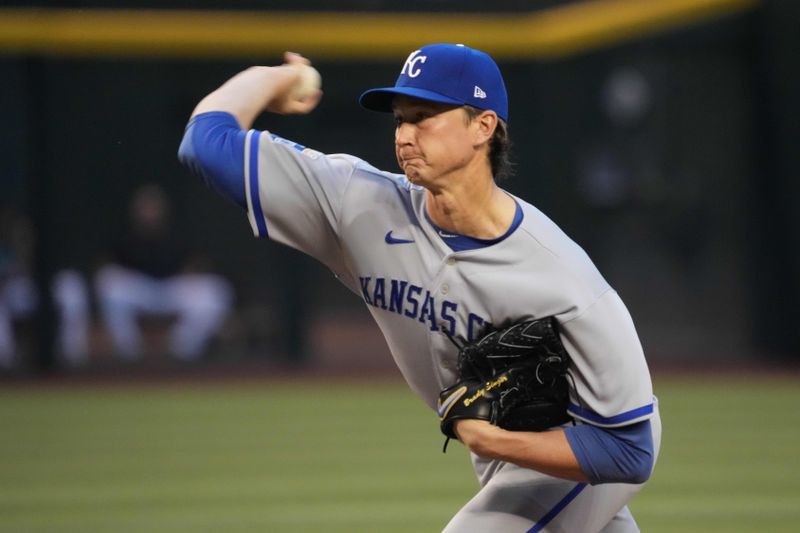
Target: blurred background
<point x="660" y="134"/>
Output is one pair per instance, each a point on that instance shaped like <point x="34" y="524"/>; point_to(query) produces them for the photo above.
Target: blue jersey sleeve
<point x="213" y="148"/>
<point x="613" y="455"/>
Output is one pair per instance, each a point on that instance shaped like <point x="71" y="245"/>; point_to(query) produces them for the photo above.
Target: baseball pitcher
<point x="496" y="319"/>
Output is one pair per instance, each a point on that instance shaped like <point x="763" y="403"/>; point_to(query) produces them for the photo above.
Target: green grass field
<point x="354" y="457"/>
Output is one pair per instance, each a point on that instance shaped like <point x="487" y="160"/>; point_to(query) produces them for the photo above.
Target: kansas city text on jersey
<point x="415" y="302"/>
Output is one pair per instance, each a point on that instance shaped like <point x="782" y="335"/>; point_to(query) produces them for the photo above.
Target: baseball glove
<point x="514" y="378"/>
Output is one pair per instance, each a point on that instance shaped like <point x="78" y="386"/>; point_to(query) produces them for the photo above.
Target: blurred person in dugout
<point x="152" y="271"/>
<point x="19" y="297"/>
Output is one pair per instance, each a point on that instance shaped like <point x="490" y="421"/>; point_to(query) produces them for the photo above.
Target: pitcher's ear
<point x="485" y="124"/>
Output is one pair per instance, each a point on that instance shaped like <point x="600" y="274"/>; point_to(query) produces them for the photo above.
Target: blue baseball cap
<point x="449" y="74"/>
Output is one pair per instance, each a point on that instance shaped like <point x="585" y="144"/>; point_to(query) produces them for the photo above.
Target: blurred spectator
<point x="153" y="272"/>
<point x="19" y="296"/>
<point x="71" y="298"/>
<point x="620" y="171"/>
<point x="619" y="156"/>
<point x="17" y="292"/>
<point x="641" y="200"/>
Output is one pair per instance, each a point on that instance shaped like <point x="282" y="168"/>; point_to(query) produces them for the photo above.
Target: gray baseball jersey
<point x="371" y="229"/>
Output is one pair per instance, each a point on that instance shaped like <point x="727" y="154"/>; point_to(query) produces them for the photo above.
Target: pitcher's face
<point x="432" y="140"/>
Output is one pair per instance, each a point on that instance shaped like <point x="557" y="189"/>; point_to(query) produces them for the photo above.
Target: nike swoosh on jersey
<point x="396" y="240"/>
<point x="445" y="406"/>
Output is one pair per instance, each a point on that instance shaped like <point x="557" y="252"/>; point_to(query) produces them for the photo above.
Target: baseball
<point x="308" y="83"/>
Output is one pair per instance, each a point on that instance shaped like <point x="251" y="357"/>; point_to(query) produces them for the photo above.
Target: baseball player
<point x="442" y="254"/>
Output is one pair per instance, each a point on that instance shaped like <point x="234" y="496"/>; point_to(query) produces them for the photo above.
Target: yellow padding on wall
<point x="551" y="33"/>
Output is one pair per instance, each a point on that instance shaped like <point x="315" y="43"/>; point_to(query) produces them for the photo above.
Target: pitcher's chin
<point x="412" y="175"/>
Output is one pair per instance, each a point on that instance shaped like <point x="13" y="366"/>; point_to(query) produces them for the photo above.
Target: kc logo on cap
<point x="410" y="67"/>
<point x="449" y="74"/>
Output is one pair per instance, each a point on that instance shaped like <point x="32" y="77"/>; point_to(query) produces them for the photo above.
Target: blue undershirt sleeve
<point x="213" y="148"/>
<point x="613" y="455"/>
